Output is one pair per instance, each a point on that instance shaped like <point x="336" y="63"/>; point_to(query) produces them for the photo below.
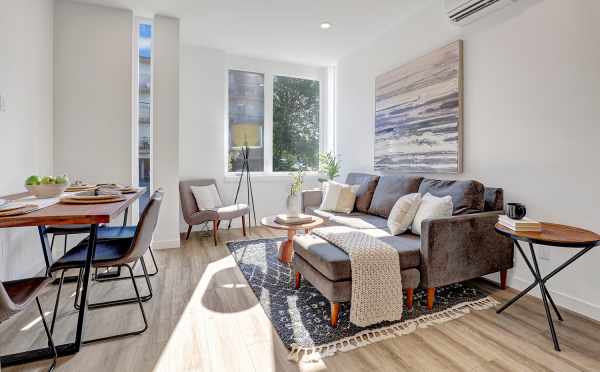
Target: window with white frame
<point x="292" y="139"/>
<point x="144" y="109"/>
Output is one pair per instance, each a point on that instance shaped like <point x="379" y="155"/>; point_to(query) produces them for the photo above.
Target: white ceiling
<point x="279" y="29"/>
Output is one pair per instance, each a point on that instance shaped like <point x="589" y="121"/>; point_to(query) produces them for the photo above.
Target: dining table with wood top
<point x="66" y="214"/>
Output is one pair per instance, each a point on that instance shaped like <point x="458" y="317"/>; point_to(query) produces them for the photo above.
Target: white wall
<point x="203" y="122"/>
<point x="165" y="127"/>
<point x="26" y="30"/>
<point x="532" y="114"/>
<point x="93" y="93"/>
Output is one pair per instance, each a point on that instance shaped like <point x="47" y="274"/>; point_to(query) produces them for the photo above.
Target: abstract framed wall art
<point x="419" y="114"/>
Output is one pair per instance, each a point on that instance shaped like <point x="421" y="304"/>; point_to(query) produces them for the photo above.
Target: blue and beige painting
<point x="418" y="114"/>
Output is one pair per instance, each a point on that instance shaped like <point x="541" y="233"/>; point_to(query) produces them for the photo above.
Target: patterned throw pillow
<point x="339" y="197"/>
<point x="403" y="213"/>
<point x="431" y="207"/>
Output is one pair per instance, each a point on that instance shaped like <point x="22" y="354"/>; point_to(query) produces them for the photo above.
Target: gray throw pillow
<point x="389" y="189"/>
<point x="467" y="196"/>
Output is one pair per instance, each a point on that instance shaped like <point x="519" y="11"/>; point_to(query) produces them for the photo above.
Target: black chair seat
<point x="23" y="290"/>
<point x="68" y="229"/>
<point x="106" y="251"/>
<point x="116" y="232"/>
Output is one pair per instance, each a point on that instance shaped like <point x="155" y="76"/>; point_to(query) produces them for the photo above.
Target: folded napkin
<point x="109" y="191"/>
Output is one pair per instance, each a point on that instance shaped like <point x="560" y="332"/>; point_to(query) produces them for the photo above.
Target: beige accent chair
<point x="194" y="216"/>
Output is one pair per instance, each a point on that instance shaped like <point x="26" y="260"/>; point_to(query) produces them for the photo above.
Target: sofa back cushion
<point x="467" y="196"/>
<point x="494" y="199"/>
<point x="365" y="192"/>
<point x="389" y="189"/>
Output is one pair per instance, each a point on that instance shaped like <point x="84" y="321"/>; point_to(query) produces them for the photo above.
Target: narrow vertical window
<point x="295" y="124"/>
<point x="246" y="119"/>
<point x="144" y="109"/>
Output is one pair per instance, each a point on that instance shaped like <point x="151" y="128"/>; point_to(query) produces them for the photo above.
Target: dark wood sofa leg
<point x="244" y="225"/>
<point x="298" y="279"/>
<point x="503" y="278"/>
<point x="186" y="237"/>
<point x="215" y="229"/>
<point x="430" y="298"/>
<point x="409" y="297"/>
<point x="335" y="313"/>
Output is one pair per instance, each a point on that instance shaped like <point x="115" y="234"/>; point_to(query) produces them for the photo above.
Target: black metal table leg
<point x="544" y="299"/>
<point x="68" y="348"/>
<point x="541" y="282"/>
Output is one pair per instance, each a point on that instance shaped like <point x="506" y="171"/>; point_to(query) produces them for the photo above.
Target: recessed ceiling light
<point x="325" y="25"/>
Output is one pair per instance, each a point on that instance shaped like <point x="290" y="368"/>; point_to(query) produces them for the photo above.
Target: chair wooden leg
<point x="503" y="278"/>
<point x="188" y="232"/>
<point x="244" y="225"/>
<point x="215" y="229"/>
<point x="335" y="313"/>
<point x="298" y="279"/>
<point x="430" y="298"/>
<point x="409" y="297"/>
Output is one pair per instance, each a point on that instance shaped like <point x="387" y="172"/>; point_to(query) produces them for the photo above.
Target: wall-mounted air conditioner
<point x="463" y="12"/>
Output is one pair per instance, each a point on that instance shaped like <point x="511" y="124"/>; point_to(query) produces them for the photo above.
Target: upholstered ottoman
<point x="328" y="269"/>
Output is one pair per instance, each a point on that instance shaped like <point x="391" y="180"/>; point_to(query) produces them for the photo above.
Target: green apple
<point x="47" y="180"/>
<point x="62" y="180"/>
<point x="33" y="180"/>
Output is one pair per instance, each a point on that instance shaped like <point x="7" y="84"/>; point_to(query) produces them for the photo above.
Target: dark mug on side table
<point x="516" y="211"/>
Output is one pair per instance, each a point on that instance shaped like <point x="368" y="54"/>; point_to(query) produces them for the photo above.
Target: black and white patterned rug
<point x="301" y="317"/>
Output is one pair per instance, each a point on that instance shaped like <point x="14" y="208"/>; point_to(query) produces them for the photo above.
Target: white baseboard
<point x="166" y="244"/>
<point x="575" y="304"/>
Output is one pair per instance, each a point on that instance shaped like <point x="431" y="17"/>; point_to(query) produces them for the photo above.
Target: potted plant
<point x="293" y="199"/>
<point x="329" y="165"/>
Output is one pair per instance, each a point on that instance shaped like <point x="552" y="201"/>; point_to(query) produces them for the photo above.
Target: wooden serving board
<point x="70" y="200"/>
<point x="19" y="211"/>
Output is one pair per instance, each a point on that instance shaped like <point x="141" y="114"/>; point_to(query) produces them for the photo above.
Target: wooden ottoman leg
<point x="409" y="297"/>
<point x="298" y="279"/>
<point x="244" y="225"/>
<point x="503" y="277"/>
<point x="215" y="229"/>
<point x="430" y="297"/>
<point x="335" y="313"/>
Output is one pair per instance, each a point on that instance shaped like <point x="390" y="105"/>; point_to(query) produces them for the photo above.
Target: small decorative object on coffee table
<point x="293" y="199"/>
<point x="286" y="251"/>
<point x="550" y="235"/>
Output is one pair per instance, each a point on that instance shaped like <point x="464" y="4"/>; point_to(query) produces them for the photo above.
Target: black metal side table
<point x="556" y="236"/>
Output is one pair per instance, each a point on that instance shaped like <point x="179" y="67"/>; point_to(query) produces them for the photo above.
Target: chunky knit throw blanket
<point x="376" y="280"/>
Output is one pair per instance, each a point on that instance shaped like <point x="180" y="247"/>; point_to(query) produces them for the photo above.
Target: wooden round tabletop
<point x="554" y="235"/>
<point x="270" y="222"/>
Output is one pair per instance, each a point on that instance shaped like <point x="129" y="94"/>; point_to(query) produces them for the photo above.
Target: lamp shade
<point x="246" y="134"/>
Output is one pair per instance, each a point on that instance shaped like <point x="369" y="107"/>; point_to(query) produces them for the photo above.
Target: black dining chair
<point x="16" y="295"/>
<point x="115" y="253"/>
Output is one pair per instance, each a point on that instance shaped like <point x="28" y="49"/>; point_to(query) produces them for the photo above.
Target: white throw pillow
<point x="339" y="197"/>
<point x="403" y="213"/>
<point x="431" y="207"/>
<point x="207" y="197"/>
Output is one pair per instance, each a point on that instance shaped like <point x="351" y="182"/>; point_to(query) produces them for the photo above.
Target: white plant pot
<point x="293" y="205"/>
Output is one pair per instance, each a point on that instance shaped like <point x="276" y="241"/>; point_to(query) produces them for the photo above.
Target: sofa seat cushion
<point x="334" y="263"/>
<point x="467" y="196"/>
<point x="355" y="220"/>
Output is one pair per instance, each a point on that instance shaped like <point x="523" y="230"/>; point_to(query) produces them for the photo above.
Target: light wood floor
<point x="205" y="318"/>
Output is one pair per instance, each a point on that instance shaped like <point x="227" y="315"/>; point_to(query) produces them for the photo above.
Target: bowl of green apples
<point x="47" y="186"/>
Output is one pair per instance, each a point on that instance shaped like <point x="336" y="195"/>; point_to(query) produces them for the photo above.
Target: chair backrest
<point x="7" y="307"/>
<point x="145" y="227"/>
<point x="188" y="202"/>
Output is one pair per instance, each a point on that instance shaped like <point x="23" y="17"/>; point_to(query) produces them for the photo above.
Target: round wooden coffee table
<point x="286" y="251"/>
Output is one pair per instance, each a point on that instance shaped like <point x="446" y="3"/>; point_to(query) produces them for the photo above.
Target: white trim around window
<point x="270" y="69"/>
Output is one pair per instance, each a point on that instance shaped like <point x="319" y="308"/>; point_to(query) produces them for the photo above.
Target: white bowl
<point x="47" y="191"/>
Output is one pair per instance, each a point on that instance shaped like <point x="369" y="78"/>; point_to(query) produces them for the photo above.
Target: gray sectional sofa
<point x="449" y="250"/>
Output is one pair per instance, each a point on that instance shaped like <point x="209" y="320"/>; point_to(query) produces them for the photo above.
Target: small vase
<point x="293" y="205"/>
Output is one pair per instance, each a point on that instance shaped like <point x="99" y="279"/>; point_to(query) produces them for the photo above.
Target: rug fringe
<point x="315" y="353"/>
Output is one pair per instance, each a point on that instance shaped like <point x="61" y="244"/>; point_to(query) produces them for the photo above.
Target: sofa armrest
<point x="458" y="248"/>
<point x="311" y="198"/>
